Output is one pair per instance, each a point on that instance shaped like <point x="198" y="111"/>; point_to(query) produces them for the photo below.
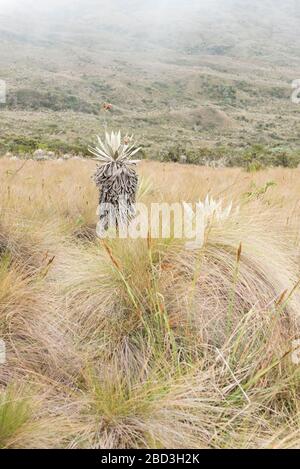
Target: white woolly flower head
<point x="212" y="209"/>
<point x="206" y="212"/>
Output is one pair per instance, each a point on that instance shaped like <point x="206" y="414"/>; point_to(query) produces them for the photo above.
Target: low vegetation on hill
<point x="205" y="75"/>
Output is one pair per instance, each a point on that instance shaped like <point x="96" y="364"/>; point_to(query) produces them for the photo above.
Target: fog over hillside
<point x="218" y="70"/>
<point x="218" y="26"/>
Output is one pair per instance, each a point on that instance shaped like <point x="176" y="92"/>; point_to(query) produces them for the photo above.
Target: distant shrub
<point x="55" y="101"/>
<point x="252" y="158"/>
<point x="255" y="166"/>
<point x="28" y="145"/>
<point x="261" y="156"/>
<point x="20" y="144"/>
<point x="173" y="154"/>
<point x="225" y="93"/>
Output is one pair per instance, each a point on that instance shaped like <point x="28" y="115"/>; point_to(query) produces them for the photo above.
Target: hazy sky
<point x="161" y="5"/>
<point x="147" y="13"/>
<point x="241" y="26"/>
<point x="147" y="10"/>
<point x="155" y="6"/>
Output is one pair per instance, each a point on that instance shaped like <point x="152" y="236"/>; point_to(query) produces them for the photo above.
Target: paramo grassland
<point x="143" y="343"/>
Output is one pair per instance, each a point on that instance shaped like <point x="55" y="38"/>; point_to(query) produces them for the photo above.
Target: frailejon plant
<point x="116" y="179"/>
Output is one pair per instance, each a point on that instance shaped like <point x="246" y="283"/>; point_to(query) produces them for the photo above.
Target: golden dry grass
<point x="142" y="343"/>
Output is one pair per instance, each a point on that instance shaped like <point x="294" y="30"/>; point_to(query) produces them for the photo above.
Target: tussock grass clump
<point x="24" y="422"/>
<point x="148" y="343"/>
<point x="217" y="285"/>
<point x="15" y="413"/>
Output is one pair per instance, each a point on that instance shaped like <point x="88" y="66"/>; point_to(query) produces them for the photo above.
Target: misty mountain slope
<point x="170" y="69"/>
<point x="252" y="28"/>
